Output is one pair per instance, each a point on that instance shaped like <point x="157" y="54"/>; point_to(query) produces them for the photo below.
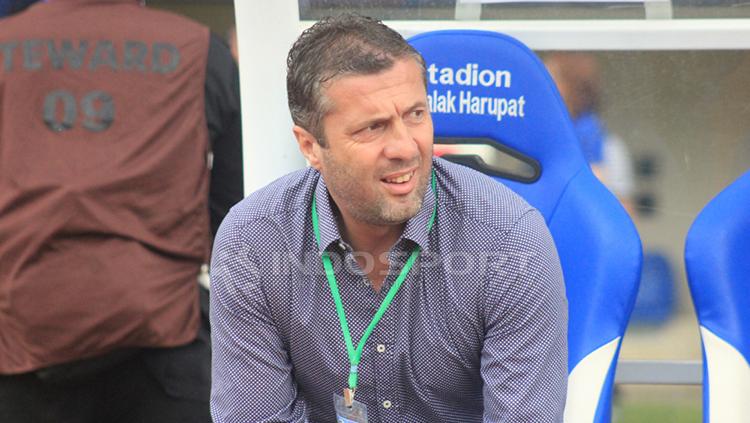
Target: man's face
<point x="378" y="156"/>
<point x="553" y="67"/>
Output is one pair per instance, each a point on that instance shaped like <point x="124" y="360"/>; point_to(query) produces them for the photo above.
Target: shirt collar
<point x="329" y="227"/>
<point x="415" y="229"/>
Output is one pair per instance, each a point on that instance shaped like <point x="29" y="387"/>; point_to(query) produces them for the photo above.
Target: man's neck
<point x="372" y="240"/>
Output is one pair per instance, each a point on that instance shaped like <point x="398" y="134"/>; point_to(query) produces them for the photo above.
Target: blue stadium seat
<point x="655" y="304"/>
<point x="717" y="258"/>
<point x="489" y="88"/>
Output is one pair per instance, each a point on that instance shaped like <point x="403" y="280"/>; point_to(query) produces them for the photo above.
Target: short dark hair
<point x="347" y="44"/>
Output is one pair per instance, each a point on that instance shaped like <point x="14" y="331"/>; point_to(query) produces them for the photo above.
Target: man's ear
<point x="308" y="146"/>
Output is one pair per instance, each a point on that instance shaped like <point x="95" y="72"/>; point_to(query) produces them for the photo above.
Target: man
<point x="578" y="79"/>
<point x="113" y="118"/>
<point x="452" y="280"/>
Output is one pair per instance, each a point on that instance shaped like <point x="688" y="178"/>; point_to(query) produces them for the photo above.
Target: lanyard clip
<point x="349" y="393"/>
<point x="348" y="397"/>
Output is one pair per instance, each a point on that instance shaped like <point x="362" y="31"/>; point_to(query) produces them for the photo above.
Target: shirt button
<point x="387" y="404"/>
<point x="380" y="348"/>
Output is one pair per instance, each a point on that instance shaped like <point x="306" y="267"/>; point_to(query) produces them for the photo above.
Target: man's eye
<point x="370" y="132"/>
<point x="374" y="127"/>
<point x="416" y="115"/>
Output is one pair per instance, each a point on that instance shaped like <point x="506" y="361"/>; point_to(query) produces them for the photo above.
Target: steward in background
<point x="120" y="152"/>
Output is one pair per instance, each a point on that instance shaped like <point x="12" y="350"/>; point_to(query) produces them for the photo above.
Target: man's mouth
<point x="401" y="179"/>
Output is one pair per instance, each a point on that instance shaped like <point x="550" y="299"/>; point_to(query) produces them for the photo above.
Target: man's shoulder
<point x="471" y="195"/>
<point x="285" y="196"/>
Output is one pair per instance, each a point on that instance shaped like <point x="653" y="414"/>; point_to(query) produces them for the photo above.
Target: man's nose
<point x="401" y="144"/>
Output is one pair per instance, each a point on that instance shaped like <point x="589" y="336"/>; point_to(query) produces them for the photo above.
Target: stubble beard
<point x="374" y="211"/>
<point x="388" y="213"/>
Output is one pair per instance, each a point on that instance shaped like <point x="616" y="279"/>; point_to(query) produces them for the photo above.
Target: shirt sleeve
<point x="524" y="357"/>
<point x="223" y="117"/>
<point x="252" y="377"/>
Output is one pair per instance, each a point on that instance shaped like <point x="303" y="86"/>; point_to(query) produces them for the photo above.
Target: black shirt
<point x="225" y="130"/>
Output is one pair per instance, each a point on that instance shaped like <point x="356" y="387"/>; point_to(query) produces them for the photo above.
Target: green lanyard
<point x="356" y="355"/>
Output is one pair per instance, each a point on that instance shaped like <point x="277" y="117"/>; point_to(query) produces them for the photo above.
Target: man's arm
<point x="224" y="121"/>
<point x="524" y="358"/>
<point x="252" y="377"/>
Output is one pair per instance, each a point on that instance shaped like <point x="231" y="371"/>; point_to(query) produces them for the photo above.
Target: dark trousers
<point x="162" y="385"/>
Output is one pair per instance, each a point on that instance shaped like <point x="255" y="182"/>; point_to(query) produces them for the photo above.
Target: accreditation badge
<point x="357" y="413"/>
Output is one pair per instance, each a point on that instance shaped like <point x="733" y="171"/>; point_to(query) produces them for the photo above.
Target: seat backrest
<point x="488" y="86"/>
<point x="717" y="258"/>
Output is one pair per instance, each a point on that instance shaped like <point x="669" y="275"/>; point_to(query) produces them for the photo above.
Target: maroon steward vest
<point x="103" y="180"/>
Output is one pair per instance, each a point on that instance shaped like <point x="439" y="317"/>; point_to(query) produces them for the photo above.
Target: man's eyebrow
<point x="378" y="119"/>
<point x="419" y="104"/>
<point x="367" y="122"/>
